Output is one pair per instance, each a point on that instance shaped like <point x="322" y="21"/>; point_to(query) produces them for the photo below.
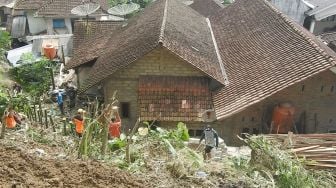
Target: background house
<point x="24" y="15"/>
<point x="317" y="16"/>
<point x="58" y="16"/>
<point x="5" y="11"/>
<point x="238" y="63"/>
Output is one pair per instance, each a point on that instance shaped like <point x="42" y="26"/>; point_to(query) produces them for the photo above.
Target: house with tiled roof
<point x="56" y="14"/>
<point x="239" y="64"/>
<point x="206" y="7"/>
<point x="59" y="18"/>
<point x="24" y="13"/>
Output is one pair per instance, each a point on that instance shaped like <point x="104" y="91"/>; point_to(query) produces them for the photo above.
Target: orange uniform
<point x="79" y="125"/>
<point x="10" y="121"/>
<point x="114" y="129"/>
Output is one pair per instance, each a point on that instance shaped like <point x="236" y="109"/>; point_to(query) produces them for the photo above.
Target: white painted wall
<point x="295" y="9"/>
<point x="36" y="25"/>
<point x="52" y="31"/>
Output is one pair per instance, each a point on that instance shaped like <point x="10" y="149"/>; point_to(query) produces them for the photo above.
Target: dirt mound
<point x="18" y="169"/>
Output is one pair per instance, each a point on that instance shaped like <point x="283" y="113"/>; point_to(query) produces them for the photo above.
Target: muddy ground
<point x="20" y="169"/>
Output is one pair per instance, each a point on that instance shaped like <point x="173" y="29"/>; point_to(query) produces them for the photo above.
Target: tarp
<point x="19" y="26"/>
<point x="15" y="54"/>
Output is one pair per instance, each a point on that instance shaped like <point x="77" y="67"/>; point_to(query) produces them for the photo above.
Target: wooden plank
<point x="323" y="165"/>
<point x="305" y="148"/>
<point x="320" y="150"/>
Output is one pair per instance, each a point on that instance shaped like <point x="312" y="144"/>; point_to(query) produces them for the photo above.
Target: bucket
<point x="49" y="51"/>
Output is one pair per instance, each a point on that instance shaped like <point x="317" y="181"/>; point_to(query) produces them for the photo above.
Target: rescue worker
<point x="60" y="101"/>
<point x="10" y="117"/>
<point x="78" y="120"/>
<point x="211" y="140"/>
<point x="114" y="128"/>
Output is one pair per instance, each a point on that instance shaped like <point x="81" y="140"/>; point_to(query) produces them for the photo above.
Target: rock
<point x="61" y="156"/>
<point x="201" y="174"/>
<point x="40" y="152"/>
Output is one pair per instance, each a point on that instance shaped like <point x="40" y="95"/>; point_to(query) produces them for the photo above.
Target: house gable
<point x="159" y="62"/>
<point x="161" y="24"/>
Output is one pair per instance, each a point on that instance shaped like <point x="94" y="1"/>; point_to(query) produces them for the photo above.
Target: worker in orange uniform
<point x="79" y="122"/>
<point x="115" y="125"/>
<point x="10" y="118"/>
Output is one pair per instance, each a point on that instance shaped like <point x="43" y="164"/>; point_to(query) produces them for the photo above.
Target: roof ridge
<point x="321" y="51"/>
<point x="164" y="20"/>
<point x="220" y="61"/>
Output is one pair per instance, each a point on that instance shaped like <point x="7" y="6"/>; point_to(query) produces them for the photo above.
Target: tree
<point x="35" y="83"/>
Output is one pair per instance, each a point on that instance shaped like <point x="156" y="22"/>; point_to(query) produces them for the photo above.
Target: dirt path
<point x="18" y="169"/>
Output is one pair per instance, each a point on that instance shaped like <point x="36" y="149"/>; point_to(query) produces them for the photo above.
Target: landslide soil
<point x="19" y="169"/>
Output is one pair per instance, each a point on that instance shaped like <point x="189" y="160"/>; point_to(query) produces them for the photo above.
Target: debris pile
<point x="318" y="149"/>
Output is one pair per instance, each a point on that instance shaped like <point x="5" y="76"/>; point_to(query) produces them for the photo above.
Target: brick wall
<point x="314" y="100"/>
<point x="158" y="62"/>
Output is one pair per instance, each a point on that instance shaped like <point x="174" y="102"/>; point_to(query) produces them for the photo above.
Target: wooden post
<point x="40" y="111"/>
<point x="52" y="123"/>
<point x="64" y="128"/>
<point x="3" y="127"/>
<point x="63" y="58"/>
<point x="35" y="118"/>
<point x="46" y="118"/>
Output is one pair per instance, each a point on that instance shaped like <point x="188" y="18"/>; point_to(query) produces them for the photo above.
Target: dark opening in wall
<point x="322" y="87"/>
<point x="303" y="88"/>
<point x="332" y="89"/>
<point x="199" y="132"/>
<point x="255" y="131"/>
<point x="245" y="130"/>
<point x="252" y="119"/>
<point x="125" y="109"/>
<point x="191" y="132"/>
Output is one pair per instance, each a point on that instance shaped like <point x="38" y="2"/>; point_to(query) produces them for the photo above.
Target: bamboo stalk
<point x="52" y="123"/>
<point x="46" y="118"/>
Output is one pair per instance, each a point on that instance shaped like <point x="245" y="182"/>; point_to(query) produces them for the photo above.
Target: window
<point x="185" y="104"/>
<point x="125" y="109"/>
<point x="199" y="132"/>
<point x="58" y="23"/>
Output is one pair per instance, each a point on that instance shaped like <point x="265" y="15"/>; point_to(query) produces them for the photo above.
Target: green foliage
<point x="5" y="44"/>
<point x="268" y="159"/>
<point x="5" y="40"/>
<point x="180" y="134"/>
<point x="4" y="101"/>
<point x="27" y="58"/>
<point x="38" y="137"/>
<point x="35" y="83"/>
<point x="117" y="144"/>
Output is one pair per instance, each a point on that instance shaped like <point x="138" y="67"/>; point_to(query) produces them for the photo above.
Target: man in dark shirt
<point x="211" y="140"/>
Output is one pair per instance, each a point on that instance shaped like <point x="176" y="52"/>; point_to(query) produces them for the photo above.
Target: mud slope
<point x="18" y="169"/>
